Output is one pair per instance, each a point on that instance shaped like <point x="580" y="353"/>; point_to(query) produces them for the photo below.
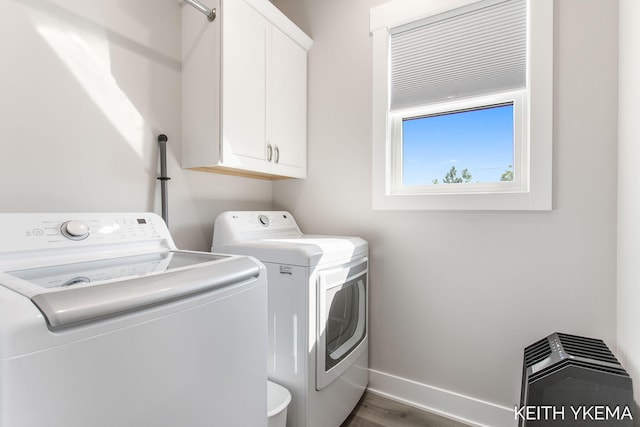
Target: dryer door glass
<point x="342" y="318"/>
<point x="345" y="320"/>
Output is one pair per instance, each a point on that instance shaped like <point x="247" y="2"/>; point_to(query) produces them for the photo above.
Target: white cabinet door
<point x="245" y="48"/>
<point x="244" y="91"/>
<point x="288" y="106"/>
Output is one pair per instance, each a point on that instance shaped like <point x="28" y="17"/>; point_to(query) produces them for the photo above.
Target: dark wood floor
<point x="377" y="411"/>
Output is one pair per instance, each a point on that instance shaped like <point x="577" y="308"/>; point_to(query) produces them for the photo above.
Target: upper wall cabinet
<point x="244" y="91"/>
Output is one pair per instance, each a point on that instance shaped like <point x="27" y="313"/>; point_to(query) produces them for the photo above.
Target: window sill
<point x="523" y="201"/>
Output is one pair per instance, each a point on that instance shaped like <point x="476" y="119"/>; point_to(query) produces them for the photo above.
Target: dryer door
<point x="342" y="319"/>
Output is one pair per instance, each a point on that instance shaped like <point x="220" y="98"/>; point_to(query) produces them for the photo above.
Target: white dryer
<point x="103" y="323"/>
<point x="317" y="311"/>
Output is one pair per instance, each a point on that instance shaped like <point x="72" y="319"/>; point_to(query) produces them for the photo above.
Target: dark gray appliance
<point x="569" y="380"/>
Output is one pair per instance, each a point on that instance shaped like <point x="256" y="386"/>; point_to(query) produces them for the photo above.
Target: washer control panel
<point x="45" y="231"/>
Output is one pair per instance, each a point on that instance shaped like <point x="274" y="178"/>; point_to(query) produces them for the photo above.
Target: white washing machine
<point x="317" y="311"/>
<point x="103" y="323"/>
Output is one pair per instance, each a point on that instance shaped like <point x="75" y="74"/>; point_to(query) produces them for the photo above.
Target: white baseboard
<point x="448" y="404"/>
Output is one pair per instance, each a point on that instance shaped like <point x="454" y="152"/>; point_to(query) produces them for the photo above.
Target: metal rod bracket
<point x="209" y="13"/>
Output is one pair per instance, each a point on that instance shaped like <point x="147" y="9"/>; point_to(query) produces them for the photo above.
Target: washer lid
<point x="308" y="250"/>
<point x="108" y="270"/>
<point x="75" y="293"/>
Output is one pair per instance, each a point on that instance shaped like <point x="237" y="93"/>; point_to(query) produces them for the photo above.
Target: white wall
<point x="456" y="296"/>
<point x="629" y="192"/>
<point x="86" y="86"/>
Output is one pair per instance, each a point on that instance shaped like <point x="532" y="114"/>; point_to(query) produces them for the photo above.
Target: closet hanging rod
<point x="211" y="13"/>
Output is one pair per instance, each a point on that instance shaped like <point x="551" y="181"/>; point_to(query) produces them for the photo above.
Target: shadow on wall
<point x="114" y="72"/>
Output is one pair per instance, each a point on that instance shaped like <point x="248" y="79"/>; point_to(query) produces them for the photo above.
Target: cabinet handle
<point x="277" y="159"/>
<point x="269" y="152"/>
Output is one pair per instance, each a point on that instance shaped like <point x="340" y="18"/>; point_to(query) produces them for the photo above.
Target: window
<point x="462" y="104"/>
<point x="462" y="147"/>
<point x="478" y="139"/>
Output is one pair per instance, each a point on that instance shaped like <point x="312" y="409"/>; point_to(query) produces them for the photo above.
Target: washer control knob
<point x="75" y="230"/>
<point x="264" y="220"/>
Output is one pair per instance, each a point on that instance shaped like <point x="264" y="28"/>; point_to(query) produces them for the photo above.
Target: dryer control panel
<point x="238" y="226"/>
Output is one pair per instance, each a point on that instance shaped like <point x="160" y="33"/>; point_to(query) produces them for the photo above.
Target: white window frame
<point x="533" y="121"/>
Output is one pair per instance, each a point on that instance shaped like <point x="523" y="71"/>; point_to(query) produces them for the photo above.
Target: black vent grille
<point x="537" y="352"/>
<point x="568" y="362"/>
<point x="587" y="347"/>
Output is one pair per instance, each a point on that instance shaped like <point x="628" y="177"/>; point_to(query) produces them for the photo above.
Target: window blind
<point x="478" y="49"/>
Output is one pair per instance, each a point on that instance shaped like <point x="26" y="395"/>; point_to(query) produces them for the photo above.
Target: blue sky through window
<point x="480" y="140"/>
